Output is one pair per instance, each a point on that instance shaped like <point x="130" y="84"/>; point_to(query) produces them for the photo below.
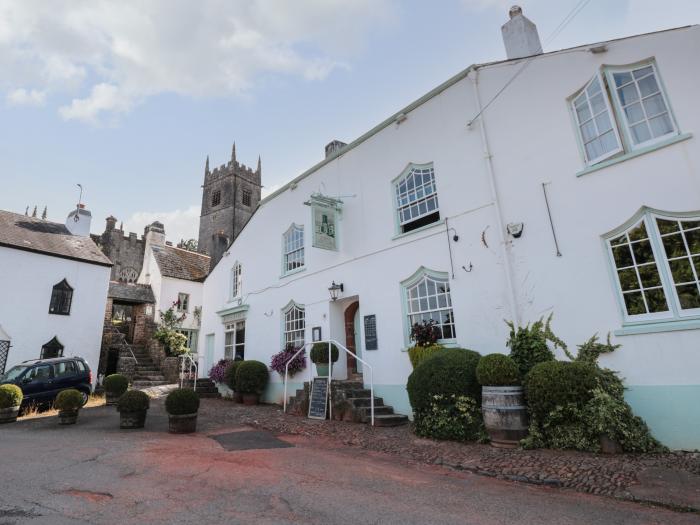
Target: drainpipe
<point x="512" y="297"/>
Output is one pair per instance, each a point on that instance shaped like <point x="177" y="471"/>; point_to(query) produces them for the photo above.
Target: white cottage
<point x="576" y="190"/>
<point x="53" y="288"/>
<point x="176" y="277"/>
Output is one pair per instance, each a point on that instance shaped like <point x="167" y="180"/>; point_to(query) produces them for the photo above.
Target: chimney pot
<point x="520" y="35"/>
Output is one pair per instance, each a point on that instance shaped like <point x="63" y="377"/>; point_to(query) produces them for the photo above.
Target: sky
<point x="128" y="98"/>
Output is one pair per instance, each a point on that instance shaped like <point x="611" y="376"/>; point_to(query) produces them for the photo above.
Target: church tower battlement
<point x="230" y="195"/>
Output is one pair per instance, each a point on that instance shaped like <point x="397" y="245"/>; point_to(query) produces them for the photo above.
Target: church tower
<point x="230" y="195"/>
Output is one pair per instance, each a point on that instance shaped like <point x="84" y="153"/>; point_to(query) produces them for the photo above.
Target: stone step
<point x="366" y="401"/>
<point x="209" y="395"/>
<point x="147" y="384"/>
<point x="139" y="377"/>
<point x="390" y="420"/>
<point x="366" y="412"/>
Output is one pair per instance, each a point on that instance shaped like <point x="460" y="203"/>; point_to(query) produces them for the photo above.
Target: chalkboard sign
<point x="371" y="342"/>
<point x="318" y="402"/>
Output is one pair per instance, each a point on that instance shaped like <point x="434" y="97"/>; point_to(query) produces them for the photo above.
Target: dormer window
<point x="216" y="198"/>
<point x="61" y="298"/>
<point x="416" y="198"/>
<point x="52" y="349"/>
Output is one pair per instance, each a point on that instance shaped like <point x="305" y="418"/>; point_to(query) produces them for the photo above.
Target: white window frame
<point x="231" y="329"/>
<point x="413" y="281"/>
<point x="611" y="114"/>
<point x="236" y="280"/>
<point x="622" y="115"/>
<point x="649" y="216"/>
<point x="183" y="306"/>
<point x="400" y="205"/>
<point x="288" y="329"/>
<point x="288" y="251"/>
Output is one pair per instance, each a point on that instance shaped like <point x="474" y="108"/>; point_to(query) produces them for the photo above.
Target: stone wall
<point x="125" y="251"/>
<point x="127" y="367"/>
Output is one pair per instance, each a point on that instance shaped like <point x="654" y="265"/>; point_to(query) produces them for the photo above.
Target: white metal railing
<point x="330" y="374"/>
<point x="192" y="366"/>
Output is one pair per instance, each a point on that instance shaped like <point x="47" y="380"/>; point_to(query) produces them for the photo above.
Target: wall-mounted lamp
<point x="335" y="290"/>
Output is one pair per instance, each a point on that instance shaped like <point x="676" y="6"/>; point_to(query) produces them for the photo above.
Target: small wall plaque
<point x="316" y="333"/>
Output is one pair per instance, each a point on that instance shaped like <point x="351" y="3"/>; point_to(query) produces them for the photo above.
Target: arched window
<point x="416" y="198"/>
<point x="52" y="349"/>
<point x="236" y="280"/>
<point x="656" y="261"/>
<point x="61" y="298"/>
<point x="294" y="325"/>
<point x="293" y="249"/>
<point x="427" y="298"/>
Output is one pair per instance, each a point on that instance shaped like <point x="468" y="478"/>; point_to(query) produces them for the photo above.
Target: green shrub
<point x="182" y="401"/>
<point x="10" y="396"/>
<point x="230" y="374"/>
<point x="252" y="377"/>
<point x="452" y="417"/>
<point x="451" y="371"/>
<point x="529" y="344"/>
<point x="133" y="401"/>
<point x="418" y="354"/>
<point x="497" y="370"/>
<point x="557" y="383"/>
<point x="68" y="400"/>
<point x="116" y="384"/>
<point x="591" y="350"/>
<point x="319" y="353"/>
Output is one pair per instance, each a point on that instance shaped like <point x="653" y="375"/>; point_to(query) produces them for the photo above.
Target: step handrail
<point x="121" y="340"/>
<point x="188" y="357"/>
<point x="330" y="374"/>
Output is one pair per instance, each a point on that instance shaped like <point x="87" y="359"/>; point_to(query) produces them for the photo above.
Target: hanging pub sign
<point x="324" y="214"/>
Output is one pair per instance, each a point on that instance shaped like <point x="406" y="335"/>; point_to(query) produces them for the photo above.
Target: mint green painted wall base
<point x="396" y="396"/>
<point x="274" y="393"/>
<point x="672" y="413"/>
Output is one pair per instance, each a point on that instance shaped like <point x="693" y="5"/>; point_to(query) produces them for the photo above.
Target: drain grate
<point x="249" y="440"/>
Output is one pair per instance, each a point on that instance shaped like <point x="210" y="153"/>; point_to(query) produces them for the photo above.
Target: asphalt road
<point x="93" y="472"/>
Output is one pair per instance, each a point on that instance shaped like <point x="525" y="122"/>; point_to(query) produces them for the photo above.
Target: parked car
<point x="41" y="380"/>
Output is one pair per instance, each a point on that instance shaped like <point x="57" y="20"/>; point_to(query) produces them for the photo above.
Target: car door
<point x="65" y="376"/>
<point x="37" y="384"/>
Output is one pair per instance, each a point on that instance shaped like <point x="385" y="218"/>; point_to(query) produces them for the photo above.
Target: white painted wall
<point x="532" y="141"/>
<point x="26" y="282"/>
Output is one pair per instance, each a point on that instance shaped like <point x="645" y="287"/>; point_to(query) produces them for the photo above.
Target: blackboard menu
<point x="318" y="402"/>
<point x="371" y="342"/>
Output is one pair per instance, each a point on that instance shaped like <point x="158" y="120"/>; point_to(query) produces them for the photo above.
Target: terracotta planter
<point x="111" y="398"/>
<point x="68" y="417"/>
<point x="505" y="415"/>
<point x="132" y="419"/>
<point x="9" y="415"/>
<point x="251" y="399"/>
<point x="182" y="424"/>
<point x="237" y="397"/>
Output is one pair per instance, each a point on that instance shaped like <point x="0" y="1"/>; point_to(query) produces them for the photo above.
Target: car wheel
<point x="86" y="397"/>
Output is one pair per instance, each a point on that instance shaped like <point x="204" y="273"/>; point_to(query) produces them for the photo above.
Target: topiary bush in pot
<point x="115" y="385"/>
<point x="11" y="397"/>
<point x="182" y="405"/>
<point x="319" y="356"/>
<point x="445" y="395"/>
<point x="133" y="406"/>
<point x="497" y="370"/>
<point x="68" y="403"/>
<point x="251" y="380"/>
<point x="230" y="379"/>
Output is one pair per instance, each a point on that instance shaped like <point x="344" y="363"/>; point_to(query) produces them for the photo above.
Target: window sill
<point x="418" y="230"/>
<point x="447" y="343"/>
<point x="635" y="153"/>
<point x="659" y="326"/>
<point x="292" y="272"/>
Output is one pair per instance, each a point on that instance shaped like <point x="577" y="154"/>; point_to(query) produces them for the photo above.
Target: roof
<point x="131" y="292"/>
<point x="430" y="95"/>
<point x="49" y="238"/>
<point x="181" y="264"/>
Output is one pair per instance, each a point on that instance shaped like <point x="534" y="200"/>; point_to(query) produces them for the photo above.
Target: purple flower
<point x="218" y="371"/>
<point x="279" y="361"/>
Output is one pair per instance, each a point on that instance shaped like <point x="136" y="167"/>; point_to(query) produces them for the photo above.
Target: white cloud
<point x="179" y="224"/>
<point x="24" y="97"/>
<point x="108" y="56"/>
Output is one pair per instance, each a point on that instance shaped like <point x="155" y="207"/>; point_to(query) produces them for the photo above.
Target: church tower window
<point x="245" y="197"/>
<point x="216" y="198"/>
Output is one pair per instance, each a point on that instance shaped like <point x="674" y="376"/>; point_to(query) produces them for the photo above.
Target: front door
<point x="209" y="352"/>
<point x="351" y="313"/>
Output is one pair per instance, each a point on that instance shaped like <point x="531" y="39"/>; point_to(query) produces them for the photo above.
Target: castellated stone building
<point x="125" y="251"/>
<point x="230" y="195"/>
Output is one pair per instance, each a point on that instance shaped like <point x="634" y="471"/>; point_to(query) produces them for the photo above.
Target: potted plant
<point x="68" y="403"/>
<point x="251" y="380"/>
<point x="425" y="337"/>
<point x="132" y="407"/>
<point x="230" y="376"/>
<point x="182" y="405"/>
<point x="10" y="401"/>
<point x="115" y="385"/>
<point x="502" y="401"/>
<point x="319" y="356"/>
<point x="285" y="357"/>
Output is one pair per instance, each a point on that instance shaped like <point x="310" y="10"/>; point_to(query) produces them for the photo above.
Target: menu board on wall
<point x="371" y="342"/>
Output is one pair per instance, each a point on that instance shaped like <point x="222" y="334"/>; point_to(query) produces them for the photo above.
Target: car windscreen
<point x="13" y="373"/>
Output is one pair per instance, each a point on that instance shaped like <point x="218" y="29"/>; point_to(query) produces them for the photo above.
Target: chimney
<point x="111" y="223"/>
<point x="520" y="35"/>
<point x="78" y="221"/>
<point x="154" y="234"/>
<point x="334" y="146"/>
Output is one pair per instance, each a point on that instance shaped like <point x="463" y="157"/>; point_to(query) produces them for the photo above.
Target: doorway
<point x="123" y="320"/>
<point x="352" y="337"/>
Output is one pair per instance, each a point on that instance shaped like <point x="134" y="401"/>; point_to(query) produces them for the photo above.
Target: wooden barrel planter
<point x="67" y="417"/>
<point x="505" y="415"/>
<point x="182" y="424"/>
<point x="9" y="415"/>
<point x="111" y="398"/>
<point x="132" y="419"/>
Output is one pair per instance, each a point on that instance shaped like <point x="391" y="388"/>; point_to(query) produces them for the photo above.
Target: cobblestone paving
<point x="585" y="472"/>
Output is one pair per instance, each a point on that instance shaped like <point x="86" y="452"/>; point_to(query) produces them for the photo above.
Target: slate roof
<point x="181" y="264"/>
<point x="50" y="238"/>
<point x="131" y="292"/>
